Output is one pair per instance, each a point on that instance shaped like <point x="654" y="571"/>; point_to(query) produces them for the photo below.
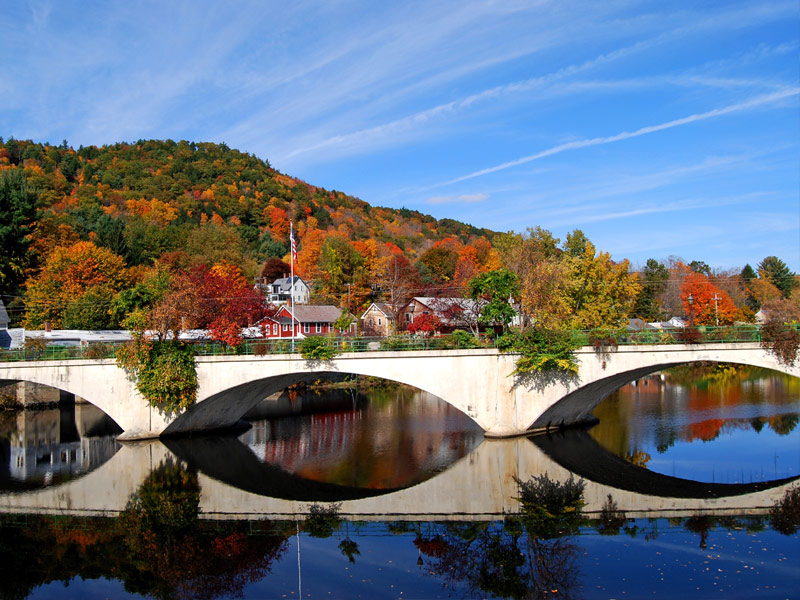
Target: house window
<point x="274" y="329"/>
<point x="319" y="327"/>
<point x="285" y="327"/>
<point x="380" y="322"/>
<point x="408" y="317"/>
<point x="306" y="327"/>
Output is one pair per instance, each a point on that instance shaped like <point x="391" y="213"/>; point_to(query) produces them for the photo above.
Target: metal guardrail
<point x="399" y="343"/>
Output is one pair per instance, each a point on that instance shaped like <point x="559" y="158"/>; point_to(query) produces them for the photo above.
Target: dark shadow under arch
<point x="576" y="407"/>
<point x="228" y="460"/>
<point x="575" y="450"/>
<point x="225" y="409"/>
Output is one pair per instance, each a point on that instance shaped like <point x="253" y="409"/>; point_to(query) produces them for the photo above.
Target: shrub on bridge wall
<point x="781" y="340"/>
<point x="460" y="339"/>
<point x="318" y="348"/>
<point x="541" y="350"/>
<point x="164" y="372"/>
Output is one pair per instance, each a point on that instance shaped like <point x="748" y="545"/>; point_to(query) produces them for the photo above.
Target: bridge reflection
<point x="235" y="484"/>
<point x="46" y="447"/>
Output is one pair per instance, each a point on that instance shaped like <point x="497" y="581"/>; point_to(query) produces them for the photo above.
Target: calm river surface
<point x="393" y="494"/>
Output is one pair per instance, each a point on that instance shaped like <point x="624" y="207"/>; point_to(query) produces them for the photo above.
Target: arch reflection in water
<point x="40" y="448"/>
<point x="338" y="445"/>
<point x="718" y="423"/>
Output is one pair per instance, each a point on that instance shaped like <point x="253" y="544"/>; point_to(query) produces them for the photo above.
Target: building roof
<point x="77" y="336"/>
<point x="381" y="306"/>
<point x="11" y="339"/>
<point x="285" y="283"/>
<point x="310" y="313"/>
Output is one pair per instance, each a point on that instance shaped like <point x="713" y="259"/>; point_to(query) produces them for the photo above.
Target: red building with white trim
<point x="308" y="320"/>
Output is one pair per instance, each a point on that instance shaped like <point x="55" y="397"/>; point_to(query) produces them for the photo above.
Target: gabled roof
<point x="309" y="313"/>
<point x="285" y="283"/>
<point x="11" y="339"/>
<point x="451" y="311"/>
<point x="381" y="306"/>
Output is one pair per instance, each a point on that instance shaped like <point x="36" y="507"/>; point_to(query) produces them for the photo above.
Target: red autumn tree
<point x="426" y="324"/>
<point x="706" y="309"/>
<point x="227" y="301"/>
<point x="274" y="269"/>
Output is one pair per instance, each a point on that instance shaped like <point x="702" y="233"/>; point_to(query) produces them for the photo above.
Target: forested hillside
<point x="146" y="200"/>
<point x="94" y="237"/>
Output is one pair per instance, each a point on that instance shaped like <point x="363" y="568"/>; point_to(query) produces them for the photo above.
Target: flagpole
<point x="292" y="251"/>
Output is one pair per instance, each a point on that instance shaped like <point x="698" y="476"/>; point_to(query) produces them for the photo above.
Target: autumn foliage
<point x="425" y="324"/>
<point x="706" y="309"/>
<point x="69" y="275"/>
<point x="90" y="225"/>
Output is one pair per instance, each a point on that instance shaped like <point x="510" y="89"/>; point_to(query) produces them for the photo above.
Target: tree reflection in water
<point x="158" y="547"/>
<point x="172" y="557"/>
<point x="531" y="555"/>
<point x="502" y="559"/>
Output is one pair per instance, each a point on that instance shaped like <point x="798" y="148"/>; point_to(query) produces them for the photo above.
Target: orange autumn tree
<point x="705" y="311"/>
<point x="75" y="287"/>
<point x="309" y="253"/>
<point x="278" y="222"/>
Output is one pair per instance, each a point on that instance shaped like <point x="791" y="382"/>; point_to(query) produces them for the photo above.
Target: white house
<point x="283" y="289"/>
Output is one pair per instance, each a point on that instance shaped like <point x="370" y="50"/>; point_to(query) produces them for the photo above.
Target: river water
<point x="390" y="493"/>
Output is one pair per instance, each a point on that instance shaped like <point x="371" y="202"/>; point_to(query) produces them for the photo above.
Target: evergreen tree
<point x="778" y="274"/>
<point x="17" y="212"/>
<point x="654" y="278"/>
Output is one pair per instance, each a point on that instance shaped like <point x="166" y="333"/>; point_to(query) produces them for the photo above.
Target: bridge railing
<point x="405" y="342"/>
<point x="682" y="335"/>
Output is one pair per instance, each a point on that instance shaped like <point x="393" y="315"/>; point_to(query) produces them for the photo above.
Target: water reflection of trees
<point x="531" y="555"/>
<point x="158" y="547"/>
<point x="715" y="390"/>
<point x="502" y="559"/>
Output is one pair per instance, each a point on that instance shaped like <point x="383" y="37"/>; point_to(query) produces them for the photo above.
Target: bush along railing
<point x="164" y="372"/>
<point x="541" y="350"/>
<point x="318" y="348"/>
<point x="781" y="341"/>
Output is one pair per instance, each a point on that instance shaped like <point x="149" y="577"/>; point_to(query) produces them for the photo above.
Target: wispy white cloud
<point x="626" y="135"/>
<point x="693" y="204"/>
<point x="462" y="199"/>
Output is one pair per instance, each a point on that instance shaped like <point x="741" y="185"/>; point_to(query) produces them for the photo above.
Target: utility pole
<point x="716" y="310"/>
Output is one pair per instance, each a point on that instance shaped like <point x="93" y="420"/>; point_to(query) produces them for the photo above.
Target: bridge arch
<point x="602" y="375"/>
<point x="473" y="381"/>
<point x="100" y="382"/>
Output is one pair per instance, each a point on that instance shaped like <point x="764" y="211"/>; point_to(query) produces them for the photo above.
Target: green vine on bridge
<point x="317" y="348"/>
<point x="164" y="372"/>
<point x="541" y="350"/>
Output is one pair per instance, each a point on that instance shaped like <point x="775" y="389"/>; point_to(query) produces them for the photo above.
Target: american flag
<point x="294" y="244"/>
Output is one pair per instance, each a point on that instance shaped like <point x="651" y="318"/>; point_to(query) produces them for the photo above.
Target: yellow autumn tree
<point x="600" y="292"/>
<point x="79" y="281"/>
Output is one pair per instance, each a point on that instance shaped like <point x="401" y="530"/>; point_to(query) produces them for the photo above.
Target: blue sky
<point x="658" y="128"/>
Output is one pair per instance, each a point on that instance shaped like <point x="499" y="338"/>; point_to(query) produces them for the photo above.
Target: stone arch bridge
<point x="476" y="381"/>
